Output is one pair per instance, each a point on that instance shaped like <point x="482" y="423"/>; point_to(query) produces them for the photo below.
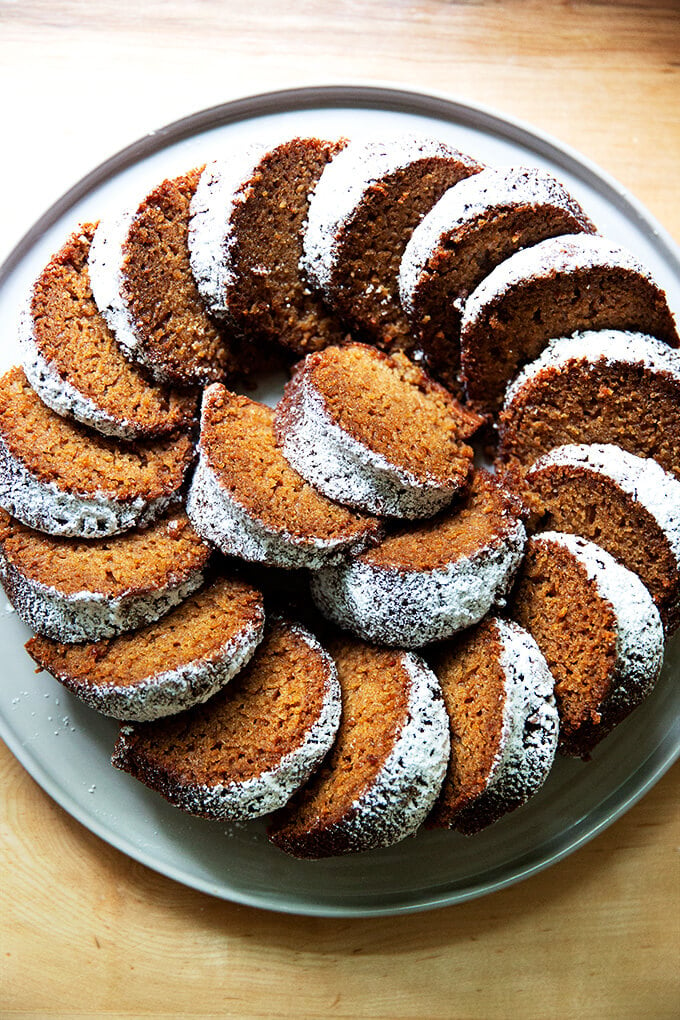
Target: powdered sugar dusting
<point x="608" y="346"/>
<point x="410" y="607"/>
<point x="343" y="186"/>
<point x="482" y="196"/>
<point x="641" y="478"/>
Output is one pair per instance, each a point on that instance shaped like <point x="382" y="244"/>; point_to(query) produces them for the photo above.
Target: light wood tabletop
<point x="88" y="932"/>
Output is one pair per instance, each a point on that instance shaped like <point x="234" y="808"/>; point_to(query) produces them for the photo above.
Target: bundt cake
<point x="473" y="227"/>
<point x="628" y="505"/>
<point x="247" y="499"/>
<point x="597" y="387"/>
<point x="245" y="751"/>
<point x="245" y="238"/>
<point x="426" y="581"/>
<point x="62" y="478"/>
<point x="361" y="215"/>
<point x="373" y="431"/>
<point x="597" y="627"/>
<point x="555" y="288"/>
<point x="143" y="285"/>
<point x="498" y="693"/>
<point x="70" y="589"/>
<point x="384" y="771"/>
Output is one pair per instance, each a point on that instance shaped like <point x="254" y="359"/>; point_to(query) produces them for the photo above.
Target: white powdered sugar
<point x="171" y="691"/>
<point x="608" y="346"/>
<point x="563" y="255"/>
<point x="410" y="607"/>
<point x="219" y="517"/>
<point x="343" y="186"/>
<point x="639" y="631"/>
<point x="403" y="792"/>
<point x="106" y="260"/>
<point x="481" y="197"/>
<point x="642" y="479"/>
<point x="88" y="615"/>
<point x="61" y="395"/>
<point x="46" y="507"/>
<point x="223" y="186"/>
<point x="346" y="470"/>
<point x="530" y="726"/>
<point x="271" y="789"/>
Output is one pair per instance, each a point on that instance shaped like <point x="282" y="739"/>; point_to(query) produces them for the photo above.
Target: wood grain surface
<point x="87" y="932"/>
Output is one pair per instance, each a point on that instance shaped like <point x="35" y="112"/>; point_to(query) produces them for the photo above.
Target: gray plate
<point x="66" y="747"/>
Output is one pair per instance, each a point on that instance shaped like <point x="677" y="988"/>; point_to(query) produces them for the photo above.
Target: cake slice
<point x="385" y="769"/>
<point x="362" y="213"/>
<point x="70" y="589"/>
<point x="167" y="666"/>
<point x="598" y="628"/>
<point x="143" y="285"/>
<point x="597" y="387"/>
<point x="628" y="505"/>
<point x="555" y="288"/>
<point x="498" y="693"/>
<point x="373" y="431"/>
<point x="474" y="226"/>
<point x="426" y="581"/>
<point x="245" y="238"/>
<point x="74" y="364"/>
<point x="244" y="752"/>
<point x="247" y="500"/>
<point x="61" y="478"/>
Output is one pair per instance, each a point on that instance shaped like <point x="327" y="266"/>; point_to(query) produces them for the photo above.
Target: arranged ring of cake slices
<point x="373" y="431"/>
<point x="247" y="500"/>
<point x="597" y="387"/>
<point x="597" y="627"/>
<point x="473" y="227"/>
<point x="361" y="216"/>
<point x="141" y="279"/>
<point x="385" y="769"/>
<point x="499" y="696"/>
<point x="628" y="505"/>
<point x="61" y="478"/>
<point x="245" y="239"/>
<point x="424" y="582"/>
<point x="74" y="364"/>
<point x="73" y="590"/>
<point x="168" y="666"/>
<point x="555" y="288"/>
<point x="244" y="752"/>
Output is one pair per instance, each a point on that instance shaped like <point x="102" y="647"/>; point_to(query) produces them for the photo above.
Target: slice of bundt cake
<point x="373" y="431"/>
<point x="426" y="581"/>
<point x="245" y="238"/>
<point x="244" y="752"/>
<point x="70" y="589"/>
<point x="64" y="479"/>
<point x="599" y="387"/>
<point x="498" y="693"/>
<point x="166" y="666"/>
<point x="473" y="227"/>
<point x="597" y="627"/>
<point x="361" y="216"/>
<point x="74" y="364"/>
<point x="143" y="285"/>
<point x="555" y="288"/>
<point x="385" y="769"/>
<point x="629" y="506"/>
<point x="247" y="499"/>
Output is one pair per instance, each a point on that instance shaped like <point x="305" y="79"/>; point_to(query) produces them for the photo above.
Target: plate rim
<point x="385" y="96"/>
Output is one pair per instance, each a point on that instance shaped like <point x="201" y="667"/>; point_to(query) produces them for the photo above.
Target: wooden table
<point x="85" y="930"/>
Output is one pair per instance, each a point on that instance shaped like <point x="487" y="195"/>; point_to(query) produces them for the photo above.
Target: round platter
<point x="66" y="747"/>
